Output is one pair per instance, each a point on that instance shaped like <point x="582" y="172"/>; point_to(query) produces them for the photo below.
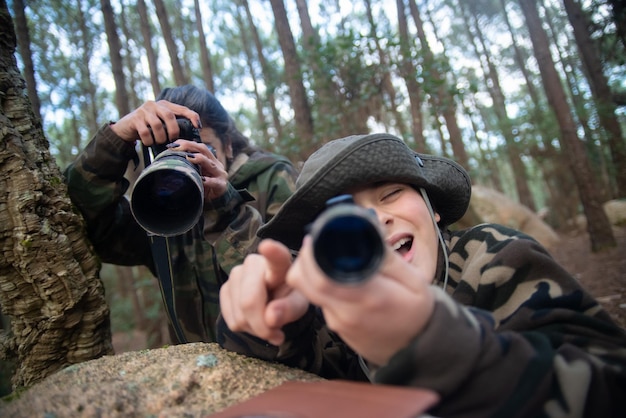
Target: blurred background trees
<point x="529" y="95"/>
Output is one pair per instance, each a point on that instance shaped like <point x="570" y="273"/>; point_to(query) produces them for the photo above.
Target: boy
<point x="483" y="316"/>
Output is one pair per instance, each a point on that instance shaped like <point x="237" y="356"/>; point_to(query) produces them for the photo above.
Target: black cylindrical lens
<point x="347" y="244"/>
<point x="168" y="196"/>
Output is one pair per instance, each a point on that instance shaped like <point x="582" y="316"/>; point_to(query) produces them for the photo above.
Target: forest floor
<point x="603" y="274"/>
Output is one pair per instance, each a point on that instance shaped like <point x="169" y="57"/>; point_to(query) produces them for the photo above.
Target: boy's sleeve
<point x="537" y="344"/>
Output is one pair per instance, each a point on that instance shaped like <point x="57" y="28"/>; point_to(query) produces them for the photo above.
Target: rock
<point x="492" y="206"/>
<point x="191" y="380"/>
<point x="616" y="211"/>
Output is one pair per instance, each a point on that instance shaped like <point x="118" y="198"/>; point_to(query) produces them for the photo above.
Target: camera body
<point x="348" y="245"/>
<point x="168" y="196"/>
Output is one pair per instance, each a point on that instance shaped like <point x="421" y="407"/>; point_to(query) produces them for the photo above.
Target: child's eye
<point x="388" y="194"/>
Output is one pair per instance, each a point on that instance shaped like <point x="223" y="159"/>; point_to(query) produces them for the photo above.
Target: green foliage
<point x="342" y="69"/>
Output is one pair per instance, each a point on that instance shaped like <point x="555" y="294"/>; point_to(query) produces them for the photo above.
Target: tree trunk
<point x="386" y="84"/>
<point x="505" y="126"/>
<point x="131" y="61"/>
<point x="553" y="159"/>
<point x="571" y="68"/>
<point x="270" y="82"/>
<point x="598" y="226"/>
<point x="444" y="100"/>
<point x="146" y="33"/>
<point x="409" y="74"/>
<point x="205" y="57"/>
<point x="179" y="74"/>
<point x="23" y="42"/>
<point x="49" y="283"/>
<point x="601" y="92"/>
<point x="297" y="92"/>
<point x="91" y="105"/>
<point x="258" y="100"/>
<point x="117" y="66"/>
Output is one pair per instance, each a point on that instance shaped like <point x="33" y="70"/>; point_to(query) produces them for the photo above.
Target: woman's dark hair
<point x="212" y="114"/>
<point x="239" y="141"/>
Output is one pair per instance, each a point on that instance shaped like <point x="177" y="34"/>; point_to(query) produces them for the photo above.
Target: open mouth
<point x="403" y="246"/>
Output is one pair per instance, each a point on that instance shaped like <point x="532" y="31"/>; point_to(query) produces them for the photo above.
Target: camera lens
<point x="348" y="248"/>
<point x="168" y="196"/>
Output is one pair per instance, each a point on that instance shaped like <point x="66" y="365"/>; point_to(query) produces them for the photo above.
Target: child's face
<point x="406" y="222"/>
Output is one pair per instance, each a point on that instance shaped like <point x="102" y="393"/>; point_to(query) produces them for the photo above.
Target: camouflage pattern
<point x="200" y="259"/>
<point x="512" y="335"/>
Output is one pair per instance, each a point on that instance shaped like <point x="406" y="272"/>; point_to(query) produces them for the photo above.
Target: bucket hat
<point x="358" y="160"/>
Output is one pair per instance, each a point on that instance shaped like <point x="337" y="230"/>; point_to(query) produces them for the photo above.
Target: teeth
<point x="400" y="243"/>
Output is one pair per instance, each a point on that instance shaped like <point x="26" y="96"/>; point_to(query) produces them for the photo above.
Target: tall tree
<point x="384" y="62"/>
<point x="180" y="78"/>
<point x="562" y="203"/>
<point x="601" y="91"/>
<point x="131" y="61"/>
<point x="582" y="110"/>
<point x="440" y="91"/>
<point x="505" y="125"/>
<point x="268" y="74"/>
<point x="293" y="73"/>
<point x="409" y="74"/>
<point x="146" y="33"/>
<point x="88" y="87"/>
<point x="49" y="284"/>
<point x="247" y="49"/>
<point x="117" y="65"/>
<point x="600" y="232"/>
<point x="23" y="43"/>
<point x="205" y="56"/>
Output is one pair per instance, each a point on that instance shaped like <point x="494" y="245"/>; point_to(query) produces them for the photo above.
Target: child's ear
<point x="437" y="217"/>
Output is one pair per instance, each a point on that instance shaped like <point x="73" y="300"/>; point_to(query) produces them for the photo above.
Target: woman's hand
<point x="214" y="175"/>
<point x="160" y="117"/>
<point x="378" y="317"/>
<point x="257" y="300"/>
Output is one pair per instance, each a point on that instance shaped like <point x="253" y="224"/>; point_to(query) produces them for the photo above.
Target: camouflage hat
<point x="358" y="160"/>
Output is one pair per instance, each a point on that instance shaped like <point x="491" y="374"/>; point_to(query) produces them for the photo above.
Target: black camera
<point x="347" y="242"/>
<point x="168" y="196"/>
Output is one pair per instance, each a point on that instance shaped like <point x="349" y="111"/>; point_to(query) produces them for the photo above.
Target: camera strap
<point x="161" y="256"/>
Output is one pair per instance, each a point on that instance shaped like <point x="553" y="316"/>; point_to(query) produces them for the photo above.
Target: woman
<point x="243" y="189"/>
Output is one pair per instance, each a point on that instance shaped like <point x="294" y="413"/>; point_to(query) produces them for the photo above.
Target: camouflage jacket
<point x="513" y="335"/>
<point x="198" y="261"/>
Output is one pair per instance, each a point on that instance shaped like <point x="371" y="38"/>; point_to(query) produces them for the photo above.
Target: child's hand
<point x="257" y="300"/>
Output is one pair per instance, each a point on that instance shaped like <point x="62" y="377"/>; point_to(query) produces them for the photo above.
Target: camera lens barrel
<point x="347" y="243"/>
<point x="168" y="196"/>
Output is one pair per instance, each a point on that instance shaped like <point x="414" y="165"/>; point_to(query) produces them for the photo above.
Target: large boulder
<point x="190" y="380"/>
<point x="489" y="205"/>
<point x="616" y="211"/>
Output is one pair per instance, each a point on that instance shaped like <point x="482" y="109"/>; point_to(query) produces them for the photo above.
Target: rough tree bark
<point x="49" y="283"/>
